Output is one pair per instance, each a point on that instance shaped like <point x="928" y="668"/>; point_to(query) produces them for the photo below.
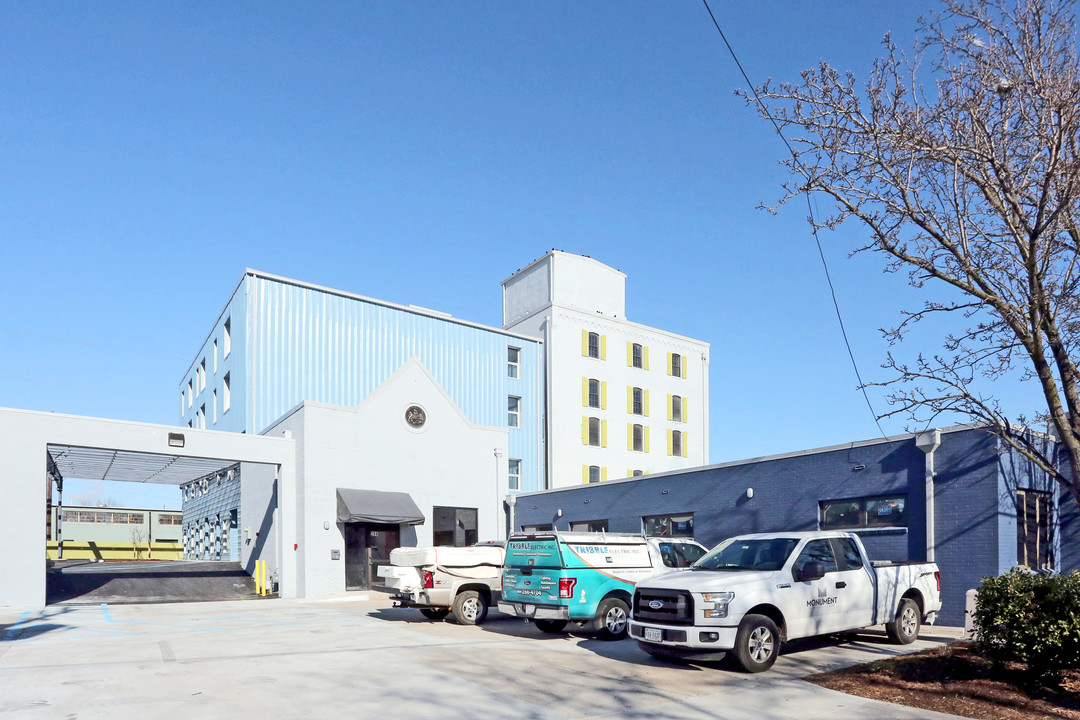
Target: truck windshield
<point x="736" y="554"/>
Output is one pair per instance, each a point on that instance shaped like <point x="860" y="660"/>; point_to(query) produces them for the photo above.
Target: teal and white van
<point x="586" y="578"/>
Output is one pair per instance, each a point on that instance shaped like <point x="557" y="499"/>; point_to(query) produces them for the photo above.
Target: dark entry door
<point x="381" y="539"/>
<point x="356" y="567"/>
<point x="366" y="547"/>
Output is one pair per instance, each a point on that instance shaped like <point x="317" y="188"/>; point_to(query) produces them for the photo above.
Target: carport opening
<point x="204" y="550"/>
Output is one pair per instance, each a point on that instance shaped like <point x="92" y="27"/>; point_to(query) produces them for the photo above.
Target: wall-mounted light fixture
<point x="749" y="493"/>
<point x="326" y="525"/>
<point x="587" y="501"/>
<point x="857" y="468"/>
<point x="663" y="492"/>
<point x="176" y="439"/>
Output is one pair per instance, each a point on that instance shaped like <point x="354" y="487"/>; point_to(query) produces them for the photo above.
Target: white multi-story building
<point x="623" y="399"/>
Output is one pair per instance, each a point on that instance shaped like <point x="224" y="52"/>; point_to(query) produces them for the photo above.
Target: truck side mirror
<point x="809" y="571"/>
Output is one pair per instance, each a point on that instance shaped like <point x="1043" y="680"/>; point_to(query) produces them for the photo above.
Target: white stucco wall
<point x="449" y="462"/>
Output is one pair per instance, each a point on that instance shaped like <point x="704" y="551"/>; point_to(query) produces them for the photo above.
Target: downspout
<point x="928" y="442"/>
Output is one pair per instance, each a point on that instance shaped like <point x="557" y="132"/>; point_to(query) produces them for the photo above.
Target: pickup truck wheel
<point x="757" y="643"/>
<point x="435" y="613"/>
<point x="613" y="614"/>
<point x="470" y="608"/>
<point x="905" y="628"/>
<point x="550" y="626"/>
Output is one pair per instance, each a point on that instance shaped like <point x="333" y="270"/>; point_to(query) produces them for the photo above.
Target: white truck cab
<point x="751" y="593"/>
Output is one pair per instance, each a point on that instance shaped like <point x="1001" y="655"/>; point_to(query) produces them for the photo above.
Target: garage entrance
<point x="42" y="449"/>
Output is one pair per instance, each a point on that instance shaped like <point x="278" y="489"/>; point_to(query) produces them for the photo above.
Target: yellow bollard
<point x="264" y="578"/>
<point x="258" y="579"/>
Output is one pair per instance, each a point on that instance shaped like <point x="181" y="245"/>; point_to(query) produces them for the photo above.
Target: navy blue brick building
<point x="992" y="509"/>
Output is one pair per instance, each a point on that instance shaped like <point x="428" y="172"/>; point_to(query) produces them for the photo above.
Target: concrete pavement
<point x="359" y="657"/>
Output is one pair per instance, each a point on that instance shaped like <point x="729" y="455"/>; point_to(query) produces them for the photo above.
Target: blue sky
<point x="421" y="152"/>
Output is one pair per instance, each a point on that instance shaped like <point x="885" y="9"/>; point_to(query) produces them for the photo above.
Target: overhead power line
<point x="809" y="208"/>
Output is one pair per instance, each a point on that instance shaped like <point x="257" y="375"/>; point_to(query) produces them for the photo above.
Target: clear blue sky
<point x="421" y="152"/>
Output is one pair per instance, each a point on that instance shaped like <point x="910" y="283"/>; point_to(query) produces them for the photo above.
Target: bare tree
<point x="971" y="186"/>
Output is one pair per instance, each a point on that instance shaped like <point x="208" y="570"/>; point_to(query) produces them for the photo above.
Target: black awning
<point x="377" y="506"/>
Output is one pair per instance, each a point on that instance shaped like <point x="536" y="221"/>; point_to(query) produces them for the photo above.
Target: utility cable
<point x="809" y="208"/>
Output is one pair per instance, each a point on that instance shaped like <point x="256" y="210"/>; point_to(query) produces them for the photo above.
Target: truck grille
<point x="669" y="607"/>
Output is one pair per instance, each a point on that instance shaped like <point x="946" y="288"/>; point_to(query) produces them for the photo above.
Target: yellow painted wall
<point x="116" y="551"/>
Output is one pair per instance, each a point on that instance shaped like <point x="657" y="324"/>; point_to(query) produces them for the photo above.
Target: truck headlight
<point x="715" y="605"/>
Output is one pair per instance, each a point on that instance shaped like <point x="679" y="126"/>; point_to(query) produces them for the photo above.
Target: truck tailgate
<point x="399" y="578"/>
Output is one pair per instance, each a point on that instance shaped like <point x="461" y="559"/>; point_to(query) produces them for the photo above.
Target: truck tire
<point x="435" y="613"/>
<point x="905" y="627"/>
<point x="756" y="644"/>
<point x="470" y="607"/>
<point x="550" y="626"/>
<point x="612" y="617"/>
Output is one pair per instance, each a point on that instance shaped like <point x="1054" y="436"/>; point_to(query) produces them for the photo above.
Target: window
<point x="677" y="445"/>
<point x="181" y="403"/>
<point x="594" y="345"/>
<point x="1033" y="509"/>
<point x="594" y="431"/>
<point x="190" y="393"/>
<point x="215" y="356"/>
<point x="589" y="526"/>
<point x="201" y="417"/>
<point x="637" y="356"/>
<point x="537" y="528"/>
<point x="215" y="407"/>
<point x="98" y="517"/>
<point x="594" y="473"/>
<point x="226" y="338"/>
<point x="637" y="473"/>
<point x="515" y="474"/>
<point x="676" y="408"/>
<point x="513" y="361"/>
<point x="170" y="519"/>
<point x="637" y="401"/>
<point x="594" y="393"/>
<point x="202" y="374"/>
<point x="454" y="526"/>
<point x="226" y="394"/>
<point x="867" y="512"/>
<point x="679" y="554"/>
<point x="669" y="525"/>
<point x="848" y="554"/>
<point x="676" y="365"/>
<point x="513" y="411"/>
<point x="816" y="551"/>
<point x="638" y="439"/>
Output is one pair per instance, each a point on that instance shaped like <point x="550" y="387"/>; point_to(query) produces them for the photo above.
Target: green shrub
<point x="1030" y="617"/>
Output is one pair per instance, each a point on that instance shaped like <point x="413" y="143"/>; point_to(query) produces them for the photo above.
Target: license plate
<point x="528" y="609"/>
<point x="653" y="635"/>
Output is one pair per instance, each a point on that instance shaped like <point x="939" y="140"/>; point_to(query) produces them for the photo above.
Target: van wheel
<point x="550" y="626"/>
<point x="435" y="613"/>
<point x="470" y="608"/>
<point x="905" y="628"/>
<point x="612" y="616"/>
<point x="757" y="643"/>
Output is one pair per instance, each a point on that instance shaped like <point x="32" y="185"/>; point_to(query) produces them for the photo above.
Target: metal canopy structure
<point x="125" y="466"/>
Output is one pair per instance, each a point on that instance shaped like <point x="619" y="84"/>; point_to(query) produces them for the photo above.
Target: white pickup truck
<point x="751" y="593"/>
<point x="440" y="580"/>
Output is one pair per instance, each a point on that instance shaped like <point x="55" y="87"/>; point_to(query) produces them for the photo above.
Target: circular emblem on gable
<point x="415" y="416"/>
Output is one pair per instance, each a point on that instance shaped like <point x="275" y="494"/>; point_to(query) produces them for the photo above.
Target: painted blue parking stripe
<point x="16" y="628"/>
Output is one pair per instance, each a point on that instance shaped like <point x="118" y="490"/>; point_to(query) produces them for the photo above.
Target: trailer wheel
<point x="905" y="628"/>
<point x="612" y="615"/>
<point x="470" y="608"/>
<point x="550" y="626"/>
<point x="435" y="613"/>
<point x="757" y="643"/>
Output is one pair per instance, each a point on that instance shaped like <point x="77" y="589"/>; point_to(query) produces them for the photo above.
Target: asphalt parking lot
<point x="361" y="658"/>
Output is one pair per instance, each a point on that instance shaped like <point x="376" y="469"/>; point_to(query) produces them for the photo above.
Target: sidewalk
<point x="355" y="656"/>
